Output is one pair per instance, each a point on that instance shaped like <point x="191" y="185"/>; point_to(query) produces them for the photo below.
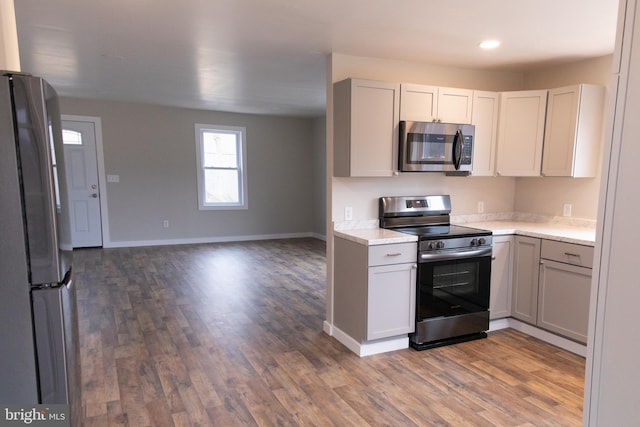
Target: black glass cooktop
<point x="438" y="231"/>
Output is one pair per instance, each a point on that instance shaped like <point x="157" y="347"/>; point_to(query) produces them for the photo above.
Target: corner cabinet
<point x="573" y="131"/>
<point x="521" y="132"/>
<point x="365" y="120"/>
<point x="501" y="276"/>
<point x="552" y="286"/>
<point x="374" y="289"/>
<point x="484" y="117"/>
<point x="431" y="103"/>
<point x="565" y="289"/>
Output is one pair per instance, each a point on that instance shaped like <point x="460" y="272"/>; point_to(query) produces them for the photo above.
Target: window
<point x="222" y="175"/>
<point x="71" y="137"/>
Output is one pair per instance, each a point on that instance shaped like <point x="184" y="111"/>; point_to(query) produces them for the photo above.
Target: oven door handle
<point x="455" y="255"/>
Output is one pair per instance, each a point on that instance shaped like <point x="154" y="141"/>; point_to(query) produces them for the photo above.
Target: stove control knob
<point x="439" y="244"/>
<point x="482" y="241"/>
<point x="431" y="245"/>
<point x="473" y="242"/>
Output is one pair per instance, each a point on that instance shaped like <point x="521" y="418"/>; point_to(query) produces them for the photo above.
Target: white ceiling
<point x="268" y="56"/>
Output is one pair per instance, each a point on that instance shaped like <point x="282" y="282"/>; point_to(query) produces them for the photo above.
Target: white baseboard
<point x="327" y="328"/>
<point x="369" y="348"/>
<point x="198" y="240"/>
<point x="398" y="343"/>
<point x="548" y="337"/>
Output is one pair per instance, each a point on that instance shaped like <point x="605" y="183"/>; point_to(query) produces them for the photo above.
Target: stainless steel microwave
<point x="435" y="147"/>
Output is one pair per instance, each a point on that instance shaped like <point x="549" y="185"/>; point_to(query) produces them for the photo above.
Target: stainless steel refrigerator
<point x="39" y="346"/>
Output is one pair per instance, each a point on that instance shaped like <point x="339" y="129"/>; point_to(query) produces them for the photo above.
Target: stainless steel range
<point x="454" y="270"/>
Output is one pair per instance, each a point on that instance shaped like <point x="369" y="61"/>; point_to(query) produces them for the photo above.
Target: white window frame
<point x="240" y="133"/>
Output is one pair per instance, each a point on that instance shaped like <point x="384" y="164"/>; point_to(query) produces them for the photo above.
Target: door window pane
<point x="71" y="137"/>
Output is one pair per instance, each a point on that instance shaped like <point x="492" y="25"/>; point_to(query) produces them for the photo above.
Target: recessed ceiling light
<point x="490" y="44"/>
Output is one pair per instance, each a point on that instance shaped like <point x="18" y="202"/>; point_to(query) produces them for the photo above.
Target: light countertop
<point x="542" y="230"/>
<point x="375" y="236"/>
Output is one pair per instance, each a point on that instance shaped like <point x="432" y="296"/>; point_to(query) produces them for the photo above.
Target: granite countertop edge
<point x="371" y="236"/>
<point x="375" y="236"/>
<point x="550" y="231"/>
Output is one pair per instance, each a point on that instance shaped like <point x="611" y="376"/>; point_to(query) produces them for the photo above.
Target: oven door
<point x="453" y="283"/>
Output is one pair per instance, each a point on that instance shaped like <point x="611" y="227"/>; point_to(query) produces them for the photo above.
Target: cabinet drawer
<point x="568" y="253"/>
<point x="393" y="254"/>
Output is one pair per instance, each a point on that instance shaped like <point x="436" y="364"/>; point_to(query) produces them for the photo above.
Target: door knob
<point x="94" y="195"/>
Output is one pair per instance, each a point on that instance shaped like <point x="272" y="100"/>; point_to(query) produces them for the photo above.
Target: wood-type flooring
<point x="230" y="334"/>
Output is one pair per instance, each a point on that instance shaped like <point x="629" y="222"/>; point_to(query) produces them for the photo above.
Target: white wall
<point x="152" y="148"/>
<point x="319" y="175"/>
<point x="612" y="370"/>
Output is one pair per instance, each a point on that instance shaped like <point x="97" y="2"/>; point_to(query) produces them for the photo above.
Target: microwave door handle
<point x="458" y="140"/>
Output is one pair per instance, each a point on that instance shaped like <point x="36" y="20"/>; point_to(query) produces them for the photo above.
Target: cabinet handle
<point x="493" y="258"/>
<point x="395" y="254"/>
<point x="570" y="254"/>
<point x="414" y="266"/>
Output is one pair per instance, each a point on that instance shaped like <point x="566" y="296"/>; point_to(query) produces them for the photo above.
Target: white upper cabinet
<point x="365" y="123"/>
<point x="573" y="131"/>
<point x="423" y="103"/>
<point x="485" y="118"/>
<point x="521" y="132"/>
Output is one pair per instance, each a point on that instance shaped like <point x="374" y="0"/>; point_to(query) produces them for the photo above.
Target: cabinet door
<point x="423" y="103"/>
<point x="455" y="105"/>
<point x="526" y="262"/>
<point x="501" y="275"/>
<point x="418" y="103"/>
<point x="485" y="118"/>
<point x="563" y="306"/>
<point x="521" y="132"/>
<point x="391" y="302"/>
<point x="560" y="131"/>
<point x="573" y="131"/>
<point x="365" y="128"/>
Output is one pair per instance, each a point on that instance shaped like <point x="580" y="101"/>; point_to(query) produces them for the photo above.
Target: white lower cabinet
<point x="391" y="300"/>
<point x="565" y="289"/>
<point x="374" y="289"/>
<point x="552" y="286"/>
<point x="526" y="261"/>
<point x="501" y="273"/>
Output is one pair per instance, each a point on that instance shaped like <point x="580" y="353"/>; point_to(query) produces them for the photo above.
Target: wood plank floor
<point x="231" y="334"/>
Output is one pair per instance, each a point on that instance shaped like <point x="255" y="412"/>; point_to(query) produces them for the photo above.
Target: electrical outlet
<point x="480" y="207"/>
<point x="566" y="209"/>
<point x="348" y="213"/>
<point x="165" y="223"/>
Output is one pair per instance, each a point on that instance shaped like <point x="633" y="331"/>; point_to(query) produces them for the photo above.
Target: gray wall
<point x="320" y="176"/>
<point x="152" y="149"/>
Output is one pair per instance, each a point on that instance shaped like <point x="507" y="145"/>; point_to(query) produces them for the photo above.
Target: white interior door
<point x="82" y="179"/>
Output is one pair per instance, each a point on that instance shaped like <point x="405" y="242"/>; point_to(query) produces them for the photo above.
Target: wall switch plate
<point x="113" y="178"/>
<point x="348" y="213"/>
<point x="165" y="223"/>
<point x="566" y="209"/>
<point x="480" y="207"/>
